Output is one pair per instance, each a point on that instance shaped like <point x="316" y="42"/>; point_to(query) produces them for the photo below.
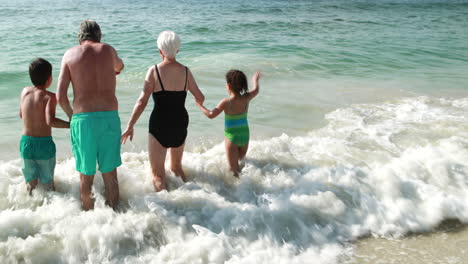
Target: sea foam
<point x="379" y="169"/>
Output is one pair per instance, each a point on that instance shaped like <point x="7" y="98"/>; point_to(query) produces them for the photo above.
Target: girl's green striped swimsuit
<point x="236" y="128"/>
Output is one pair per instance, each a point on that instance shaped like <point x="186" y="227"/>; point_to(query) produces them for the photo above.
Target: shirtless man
<point x="95" y="130"/>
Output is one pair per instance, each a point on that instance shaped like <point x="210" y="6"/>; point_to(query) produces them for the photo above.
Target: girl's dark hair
<point x="237" y="81"/>
<point x="39" y="71"/>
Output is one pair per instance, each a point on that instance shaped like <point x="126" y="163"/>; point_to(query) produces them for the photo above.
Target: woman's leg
<point x="157" y="157"/>
<point x="232" y="154"/>
<point x="176" y="161"/>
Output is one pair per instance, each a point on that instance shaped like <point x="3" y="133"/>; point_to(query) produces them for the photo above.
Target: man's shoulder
<point x="72" y="49"/>
<point x="107" y="47"/>
<point x="71" y="52"/>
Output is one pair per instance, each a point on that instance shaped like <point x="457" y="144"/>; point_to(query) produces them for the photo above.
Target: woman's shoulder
<point x="152" y="68"/>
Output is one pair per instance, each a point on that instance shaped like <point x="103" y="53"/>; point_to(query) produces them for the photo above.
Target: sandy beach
<point x="447" y="244"/>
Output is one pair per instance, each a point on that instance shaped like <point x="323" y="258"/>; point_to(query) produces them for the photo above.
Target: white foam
<point x="380" y="169"/>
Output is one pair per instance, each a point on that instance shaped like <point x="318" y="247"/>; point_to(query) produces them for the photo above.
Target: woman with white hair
<point x="168" y="83"/>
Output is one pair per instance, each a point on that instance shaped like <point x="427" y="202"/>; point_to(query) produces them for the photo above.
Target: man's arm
<point x="62" y="88"/>
<point x="118" y="63"/>
<point x="51" y="120"/>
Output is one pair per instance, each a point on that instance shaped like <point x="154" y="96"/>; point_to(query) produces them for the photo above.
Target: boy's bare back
<point x="35" y="103"/>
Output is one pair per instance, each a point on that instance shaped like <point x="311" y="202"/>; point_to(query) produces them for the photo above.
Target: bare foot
<point x="184" y="178"/>
<point x="159" y="184"/>
<point x="179" y="172"/>
<point x="30" y="189"/>
<point x="31" y="186"/>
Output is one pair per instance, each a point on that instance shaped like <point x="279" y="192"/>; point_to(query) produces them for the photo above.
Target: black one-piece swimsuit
<point x="169" y="120"/>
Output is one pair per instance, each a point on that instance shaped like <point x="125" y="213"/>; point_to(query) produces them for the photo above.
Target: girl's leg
<point x="176" y="161"/>
<point x="243" y="151"/>
<point x="157" y="157"/>
<point x="232" y="153"/>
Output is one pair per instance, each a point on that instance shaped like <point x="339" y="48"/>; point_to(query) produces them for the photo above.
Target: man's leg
<point x="111" y="184"/>
<point x="86" y="182"/>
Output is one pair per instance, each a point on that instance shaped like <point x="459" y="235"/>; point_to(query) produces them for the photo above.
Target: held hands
<point x="200" y="104"/>
<point x="127" y="133"/>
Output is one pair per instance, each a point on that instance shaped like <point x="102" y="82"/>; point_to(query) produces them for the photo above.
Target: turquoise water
<point x="360" y="128"/>
<point x="321" y="54"/>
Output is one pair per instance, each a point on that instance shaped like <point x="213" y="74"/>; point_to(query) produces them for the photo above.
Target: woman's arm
<point x="193" y="88"/>
<point x="140" y="105"/>
<point x="215" y="112"/>
<point x="256" y="88"/>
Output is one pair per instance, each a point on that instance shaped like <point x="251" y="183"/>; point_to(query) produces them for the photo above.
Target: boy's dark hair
<point x="238" y="82"/>
<point x="89" y="30"/>
<point x="40" y="71"/>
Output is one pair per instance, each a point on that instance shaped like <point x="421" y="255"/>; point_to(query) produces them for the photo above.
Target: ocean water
<point x="360" y="129"/>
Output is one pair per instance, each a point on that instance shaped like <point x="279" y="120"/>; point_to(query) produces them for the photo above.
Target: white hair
<point x="168" y="43"/>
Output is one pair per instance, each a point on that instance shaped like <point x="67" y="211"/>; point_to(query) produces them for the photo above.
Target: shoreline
<point x="447" y="243"/>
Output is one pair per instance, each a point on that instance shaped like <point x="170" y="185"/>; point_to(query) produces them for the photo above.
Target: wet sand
<point x="447" y="245"/>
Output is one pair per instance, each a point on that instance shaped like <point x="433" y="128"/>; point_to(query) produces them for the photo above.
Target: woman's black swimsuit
<point x="169" y="119"/>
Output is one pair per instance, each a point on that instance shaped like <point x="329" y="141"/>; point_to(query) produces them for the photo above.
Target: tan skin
<point x="171" y="72"/>
<point x="239" y="105"/>
<point x="37" y="109"/>
<point x="91" y="67"/>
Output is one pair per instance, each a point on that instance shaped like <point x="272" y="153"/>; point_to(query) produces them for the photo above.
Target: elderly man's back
<point x="92" y="74"/>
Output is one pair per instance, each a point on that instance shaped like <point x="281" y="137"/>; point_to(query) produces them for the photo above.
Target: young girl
<point x="236" y="127"/>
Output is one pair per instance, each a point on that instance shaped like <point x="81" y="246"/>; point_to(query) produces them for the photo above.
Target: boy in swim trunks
<point x="37" y="109"/>
<point x="236" y="127"/>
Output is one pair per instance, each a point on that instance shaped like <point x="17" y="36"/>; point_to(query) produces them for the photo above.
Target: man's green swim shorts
<point x="38" y="154"/>
<point x="95" y="136"/>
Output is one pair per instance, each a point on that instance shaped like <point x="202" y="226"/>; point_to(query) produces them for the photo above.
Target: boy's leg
<point x="176" y="161"/>
<point x="86" y="196"/>
<point x="31" y="186"/>
<point x="46" y="172"/>
<point x="111" y="184"/>
<point x="157" y="157"/>
<point x="31" y="174"/>
<point x="232" y="154"/>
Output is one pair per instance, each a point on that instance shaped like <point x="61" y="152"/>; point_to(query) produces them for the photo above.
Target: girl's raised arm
<point x="256" y="88"/>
